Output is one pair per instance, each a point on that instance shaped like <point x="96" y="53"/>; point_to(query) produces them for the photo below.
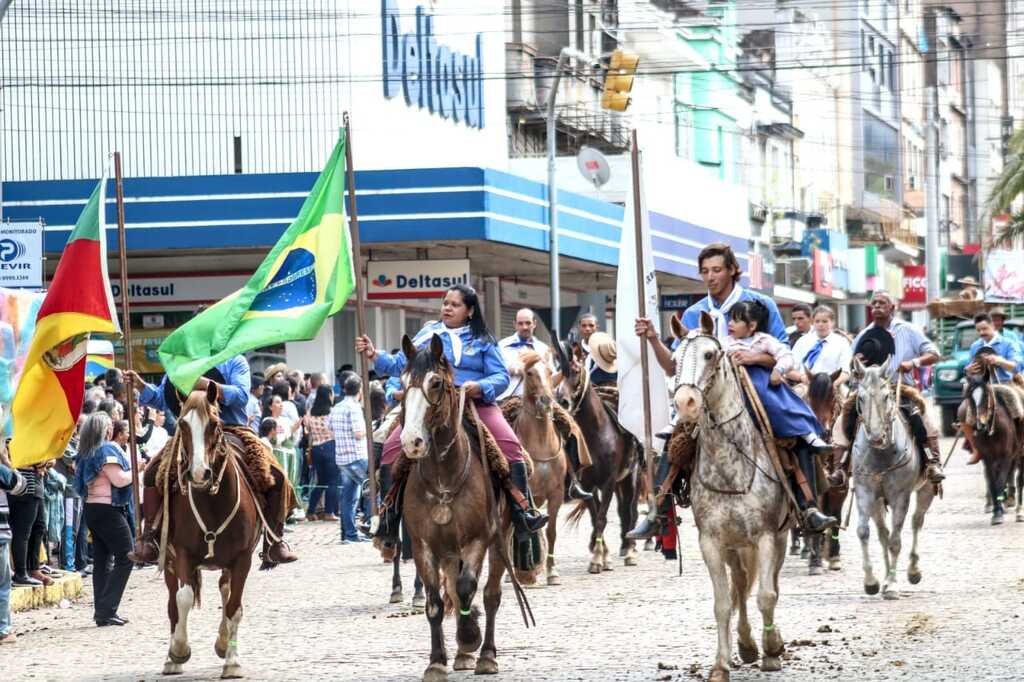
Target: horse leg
<point x="768" y="560"/>
<point x="220" y="647"/>
<point x="625" y="495"/>
<point x="601" y="547"/>
<point x="814" y="560"/>
<point x="179" y="651"/>
<point x="418" y="600"/>
<point x="794" y="547"/>
<point x="742" y="580"/>
<point x="1019" y="466"/>
<point x="233" y="615"/>
<point x="865" y="502"/>
<point x="437" y="671"/>
<point x="997" y="488"/>
<point x="487" y="663"/>
<point x="593" y="506"/>
<point x="396" y="580"/>
<point x="715" y="562"/>
<point x="925" y="495"/>
<point x="467" y="632"/>
<point x="895" y="544"/>
<point x="878" y="514"/>
<point x="170" y="667"/>
<point x="554" y="504"/>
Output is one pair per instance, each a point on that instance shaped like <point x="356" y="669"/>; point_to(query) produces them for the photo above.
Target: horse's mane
<point x="820" y="388"/>
<point x="422" y="363"/>
<point x="530" y="358"/>
<point x="196" y="400"/>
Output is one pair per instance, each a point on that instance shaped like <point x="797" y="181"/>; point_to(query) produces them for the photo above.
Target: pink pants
<point x="490" y="415"/>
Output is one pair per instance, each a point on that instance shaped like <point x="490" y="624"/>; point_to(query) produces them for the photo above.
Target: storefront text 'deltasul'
<point x="432" y="76"/>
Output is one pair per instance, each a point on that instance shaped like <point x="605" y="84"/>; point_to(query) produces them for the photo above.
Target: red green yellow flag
<point x="79" y="302"/>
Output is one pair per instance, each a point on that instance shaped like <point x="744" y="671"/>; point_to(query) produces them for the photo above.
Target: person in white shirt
<point x="515" y="346"/>
<point x="824" y="350"/>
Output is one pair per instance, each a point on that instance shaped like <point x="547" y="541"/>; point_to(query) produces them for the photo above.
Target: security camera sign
<point x="21" y="255"/>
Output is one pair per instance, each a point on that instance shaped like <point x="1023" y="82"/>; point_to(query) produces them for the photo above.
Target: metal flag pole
<point x="357" y="267"/>
<point x="126" y="329"/>
<point x="641" y="292"/>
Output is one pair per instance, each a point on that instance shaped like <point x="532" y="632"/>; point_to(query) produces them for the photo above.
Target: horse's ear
<point x="212" y="393"/>
<point x="887" y="371"/>
<point x="408" y="348"/>
<point x="563" y="359"/>
<point x="707" y="323"/>
<point x="678" y="330"/>
<point x="436" y="348"/>
<point x="835" y="375"/>
<point x="857" y="367"/>
<point x="577" y="352"/>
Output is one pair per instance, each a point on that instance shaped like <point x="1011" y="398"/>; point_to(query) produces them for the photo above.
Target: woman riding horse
<point x="479" y="371"/>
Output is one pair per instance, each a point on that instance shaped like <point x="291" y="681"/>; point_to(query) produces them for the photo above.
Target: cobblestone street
<point x="328" y="617"/>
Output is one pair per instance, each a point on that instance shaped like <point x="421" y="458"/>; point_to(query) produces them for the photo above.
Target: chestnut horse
<point x="454" y="516"/>
<point x="615" y="455"/>
<point x="212" y="520"/>
<point x="826" y="402"/>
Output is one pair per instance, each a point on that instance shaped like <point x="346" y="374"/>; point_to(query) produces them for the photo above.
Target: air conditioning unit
<point x="793" y="272"/>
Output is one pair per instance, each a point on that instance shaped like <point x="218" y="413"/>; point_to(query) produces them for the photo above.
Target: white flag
<point x="631" y="405"/>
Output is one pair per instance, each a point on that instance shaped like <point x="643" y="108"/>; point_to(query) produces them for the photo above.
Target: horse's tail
<point x="574" y="516"/>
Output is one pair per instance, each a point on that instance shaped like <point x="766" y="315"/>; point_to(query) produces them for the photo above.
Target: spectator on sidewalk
<point x="13" y="482"/>
<point x="350" y="454"/>
<point x="104" y="478"/>
<point x="28" y="525"/>
<point x="321" y="448"/>
<point x="254" y="408"/>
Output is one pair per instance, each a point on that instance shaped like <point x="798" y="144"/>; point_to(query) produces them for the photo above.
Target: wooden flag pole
<point x="641" y="291"/>
<point x="126" y="328"/>
<point x="357" y="267"/>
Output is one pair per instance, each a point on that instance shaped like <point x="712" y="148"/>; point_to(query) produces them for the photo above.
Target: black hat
<point x="173" y="397"/>
<point x="875" y="346"/>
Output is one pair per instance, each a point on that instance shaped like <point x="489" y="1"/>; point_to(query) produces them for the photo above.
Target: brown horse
<point x="825" y="401"/>
<point x="536" y="430"/>
<point x="211" y="521"/>
<point x="452" y="512"/>
<point x="615" y="456"/>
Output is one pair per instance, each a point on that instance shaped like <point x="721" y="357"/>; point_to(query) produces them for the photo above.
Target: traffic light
<point x="618" y="81"/>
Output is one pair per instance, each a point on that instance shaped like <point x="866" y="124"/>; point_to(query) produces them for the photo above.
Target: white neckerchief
<point x="718" y="314"/>
<point x="456" y="337"/>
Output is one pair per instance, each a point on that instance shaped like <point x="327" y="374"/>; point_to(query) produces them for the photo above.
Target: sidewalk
<point x="68" y="586"/>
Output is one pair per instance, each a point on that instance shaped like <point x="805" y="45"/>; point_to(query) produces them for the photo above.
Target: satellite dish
<point x="593" y="166"/>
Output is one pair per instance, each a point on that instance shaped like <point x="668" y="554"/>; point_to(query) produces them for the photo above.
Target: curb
<point x="26" y="598"/>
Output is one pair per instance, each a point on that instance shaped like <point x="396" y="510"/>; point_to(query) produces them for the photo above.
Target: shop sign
<point x="915" y="287"/>
<point x="431" y="76"/>
<point x="676" y="301"/>
<point x="182" y="289"/>
<point x="21" y="255"/>
<point x="414" y="278"/>
<point x="822" y="272"/>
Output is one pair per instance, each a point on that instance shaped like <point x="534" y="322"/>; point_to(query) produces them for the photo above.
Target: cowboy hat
<point x="603" y="350"/>
<point x="875" y="345"/>
<point x="997" y="310"/>
<point x="969" y="280"/>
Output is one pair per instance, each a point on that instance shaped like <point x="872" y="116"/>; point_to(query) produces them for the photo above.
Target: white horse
<point x="886" y="471"/>
<point x="739" y="505"/>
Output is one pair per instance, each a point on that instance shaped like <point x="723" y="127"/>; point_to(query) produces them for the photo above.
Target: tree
<point x="1007" y="188"/>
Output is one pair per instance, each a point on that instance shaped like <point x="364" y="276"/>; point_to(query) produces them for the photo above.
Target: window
<point x="881" y="151"/>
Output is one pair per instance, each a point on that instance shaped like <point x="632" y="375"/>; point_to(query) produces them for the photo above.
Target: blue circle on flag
<point x="293" y="285"/>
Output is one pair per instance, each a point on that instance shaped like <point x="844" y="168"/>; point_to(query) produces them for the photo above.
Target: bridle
<point x="437" y="414"/>
<point x="576" y="398"/>
<point x="888" y="417"/>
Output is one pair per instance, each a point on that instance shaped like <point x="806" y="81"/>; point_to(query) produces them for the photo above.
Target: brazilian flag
<point x="306" y="278"/>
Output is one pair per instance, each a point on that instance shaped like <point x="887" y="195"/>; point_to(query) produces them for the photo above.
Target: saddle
<point x="908" y="395"/>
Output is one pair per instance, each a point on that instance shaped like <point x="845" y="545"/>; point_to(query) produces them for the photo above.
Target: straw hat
<point x="274" y="369"/>
<point x="969" y="281"/>
<point x="602" y="349"/>
<point x="997" y="310"/>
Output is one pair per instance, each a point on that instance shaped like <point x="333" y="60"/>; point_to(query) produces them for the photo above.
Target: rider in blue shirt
<point x="1001" y="356"/>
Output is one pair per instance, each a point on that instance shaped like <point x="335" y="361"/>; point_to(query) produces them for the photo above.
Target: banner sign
<point x="822" y="272"/>
<point x="178" y="289"/>
<point x="915" y="287"/>
<point x="414" y="278"/>
<point x="676" y="301"/>
<point x="21" y="255"/>
<point x="1004" y="277"/>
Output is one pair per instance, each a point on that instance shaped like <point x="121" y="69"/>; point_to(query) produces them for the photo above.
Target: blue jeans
<point x="5" y="588"/>
<point x="352" y="477"/>
<point x="326" y="479"/>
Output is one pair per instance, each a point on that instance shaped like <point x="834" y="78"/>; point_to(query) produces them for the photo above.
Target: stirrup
<point x="646" y="529"/>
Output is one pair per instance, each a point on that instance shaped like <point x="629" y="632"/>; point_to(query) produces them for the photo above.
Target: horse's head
<point x="875" y="402"/>
<point x="821" y="394"/>
<point x="199" y="425"/>
<point x="430" y="396"/>
<point x="698" y="362"/>
<point x="572" y="367"/>
<point x="976" y="390"/>
<point x="537" y="382"/>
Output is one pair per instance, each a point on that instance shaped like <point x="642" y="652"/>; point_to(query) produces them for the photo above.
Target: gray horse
<point x="886" y="472"/>
<point x="739" y="506"/>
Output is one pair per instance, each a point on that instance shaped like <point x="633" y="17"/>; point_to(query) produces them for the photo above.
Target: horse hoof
<point x="231" y="672"/>
<point x="607" y="566"/>
<point x="594" y="569"/>
<point x="871" y="588"/>
<point x="835" y="564"/>
<point x="396" y="597"/>
<point x="464" y="662"/>
<point x="814" y="570"/>
<point x="554" y="580"/>
<point x="435" y="672"/>
<point x="890" y="595"/>
<point x="486" y="665"/>
<point x="718" y="675"/>
<point x="623" y="552"/>
<point x="419" y="601"/>
<point x="180" y="660"/>
<point x="1020" y="517"/>
<point x="914" y="578"/>
<point x="771" y="664"/>
<point x="630" y="561"/>
<point x="748" y="654"/>
<point x="171" y="668"/>
<point x="997" y="519"/>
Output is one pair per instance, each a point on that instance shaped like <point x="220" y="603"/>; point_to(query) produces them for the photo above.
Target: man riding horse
<point x="1001" y="358"/>
<point x="232" y="379"/>
<point x="905" y="345"/>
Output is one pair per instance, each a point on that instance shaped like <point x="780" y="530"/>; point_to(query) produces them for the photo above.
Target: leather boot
<point x="523" y="511"/>
<point x="814" y="520"/>
<point x="573" y="489"/>
<point x="277" y="551"/>
<point x="147" y="545"/>
<point x="654" y="524"/>
<point x="969" y="445"/>
<point x="933" y="458"/>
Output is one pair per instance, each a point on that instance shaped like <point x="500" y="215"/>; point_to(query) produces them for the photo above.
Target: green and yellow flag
<point x="305" y="278"/>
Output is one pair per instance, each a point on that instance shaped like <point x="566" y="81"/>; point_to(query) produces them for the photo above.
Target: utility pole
<point x="932" y="258"/>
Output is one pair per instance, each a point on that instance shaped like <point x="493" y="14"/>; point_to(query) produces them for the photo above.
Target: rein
<point x="445" y="495"/>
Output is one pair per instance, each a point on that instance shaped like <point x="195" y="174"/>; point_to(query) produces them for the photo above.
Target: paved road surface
<point x="327" y="617"/>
